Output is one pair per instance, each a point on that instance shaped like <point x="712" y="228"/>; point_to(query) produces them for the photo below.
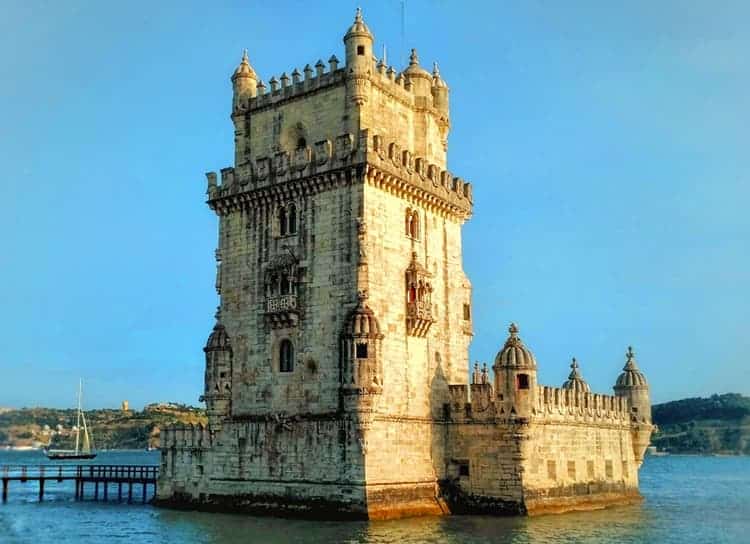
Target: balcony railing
<point x="419" y="310"/>
<point x="281" y="303"/>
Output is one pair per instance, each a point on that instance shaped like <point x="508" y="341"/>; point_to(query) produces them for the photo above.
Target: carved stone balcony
<point x="282" y="311"/>
<point x="418" y="318"/>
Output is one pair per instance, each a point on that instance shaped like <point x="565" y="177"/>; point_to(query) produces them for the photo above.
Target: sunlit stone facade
<point x="336" y="374"/>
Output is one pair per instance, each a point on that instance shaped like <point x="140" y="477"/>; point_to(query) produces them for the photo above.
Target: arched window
<point x="414" y="231"/>
<point x="412" y="294"/>
<point x="286" y="356"/>
<point x="282" y="221"/>
<point x="408" y="222"/>
<point x="273" y="285"/>
<point x="522" y="381"/>
<point x="292" y="219"/>
<point x="285" y="285"/>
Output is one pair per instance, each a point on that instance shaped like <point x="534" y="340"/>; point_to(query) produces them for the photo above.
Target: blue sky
<point x="607" y="145"/>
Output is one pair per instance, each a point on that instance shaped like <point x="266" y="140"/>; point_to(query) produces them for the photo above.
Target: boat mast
<point x="86" y="441"/>
<point x="78" y="421"/>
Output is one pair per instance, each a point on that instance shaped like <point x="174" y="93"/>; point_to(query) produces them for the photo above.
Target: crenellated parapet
<point x="568" y="405"/>
<point x="310" y="169"/>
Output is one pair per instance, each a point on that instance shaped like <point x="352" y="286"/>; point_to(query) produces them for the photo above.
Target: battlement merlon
<point x="369" y="158"/>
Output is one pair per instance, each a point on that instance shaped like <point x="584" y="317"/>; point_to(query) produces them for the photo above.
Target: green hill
<point x="718" y="424"/>
<point x="111" y="429"/>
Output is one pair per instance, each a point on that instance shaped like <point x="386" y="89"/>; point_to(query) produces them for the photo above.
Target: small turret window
<point x="301" y="143"/>
<point x="361" y="50"/>
<point x="286" y="356"/>
<point x="361" y="351"/>
<point x="522" y="381"/>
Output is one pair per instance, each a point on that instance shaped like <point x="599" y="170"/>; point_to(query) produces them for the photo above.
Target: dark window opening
<point x="222" y="374"/>
<point x="301" y="143"/>
<point x="412" y="294"/>
<point x="467" y="312"/>
<point x="292" y="219"/>
<point x="285" y="285"/>
<point x="634" y="408"/>
<point x="286" y="356"/>
<point x="522" y="381"/>
<point x="361" y="351"/>
<point x="463" y="469"/>
<point x="361" y="50"/>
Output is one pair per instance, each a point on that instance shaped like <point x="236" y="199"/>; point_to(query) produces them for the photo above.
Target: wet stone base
<point x="267" y="505"/>
<point x="586" y="496"/>
<point x="382" y="503"/>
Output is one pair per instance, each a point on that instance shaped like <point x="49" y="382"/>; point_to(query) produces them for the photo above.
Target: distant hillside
<point x="111" y="429"/>
<point x="718" y="424"/>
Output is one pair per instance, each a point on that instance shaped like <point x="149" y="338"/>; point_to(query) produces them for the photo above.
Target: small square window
<point x="522" y="381"/>
<point x="463" y="469"/>
<point x="361" y="50"/>
<point x="467" y="312"/>
<point x="361" y="351"/>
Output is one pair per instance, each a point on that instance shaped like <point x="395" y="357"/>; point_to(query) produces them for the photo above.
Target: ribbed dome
<point x="218" y="339"/>
<point x="575" y="381"/>
<point x="358" y="28"/>
<point x="362" y="322"/>
<point x="414" y="69"/>
<point x="631" y="375"/>
<point x="437" y="81"/>
<point x="244" y="69"/>
<point x="514" y="353"/>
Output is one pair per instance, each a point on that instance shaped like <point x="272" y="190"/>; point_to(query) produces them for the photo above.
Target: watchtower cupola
<point x="218" y="378"/>
<point x="515" y="375"/>
<point x="358" y="43"/>
<point x="420" y="79"/>
<point x="632" y="384"/>
<point x="244" y="84"/>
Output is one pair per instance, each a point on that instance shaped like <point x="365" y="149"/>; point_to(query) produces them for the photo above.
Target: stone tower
<point x="343" y="304"/>
<point x="336" y="372"/>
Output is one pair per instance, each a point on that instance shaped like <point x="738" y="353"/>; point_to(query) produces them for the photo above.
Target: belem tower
<point x="336" y="380"/>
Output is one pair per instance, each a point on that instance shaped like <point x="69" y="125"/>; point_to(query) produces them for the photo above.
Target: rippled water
<point x="688" y="499"/>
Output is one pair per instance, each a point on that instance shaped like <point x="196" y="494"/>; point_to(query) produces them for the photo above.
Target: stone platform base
<point x="382" y="503"/>
<point x="559" y="505"/>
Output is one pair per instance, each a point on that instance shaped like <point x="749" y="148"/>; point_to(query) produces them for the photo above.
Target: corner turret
<point x="515" y="376"/>
<point x="218" y="378"/>
<point x="244" y="84"/>
<point x="358" y="44"/>
<point x="632" y="385"/>
<point x="420" y="79"/>
<point x="440" y="93"/>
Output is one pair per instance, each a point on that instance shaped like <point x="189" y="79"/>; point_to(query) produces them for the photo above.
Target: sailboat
<point x="83" y="447"/>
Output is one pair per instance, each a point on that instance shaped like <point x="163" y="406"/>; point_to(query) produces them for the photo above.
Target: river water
<point x="688" y="499"/>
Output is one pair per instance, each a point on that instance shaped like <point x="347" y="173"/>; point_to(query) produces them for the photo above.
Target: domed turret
<point x="514" y="353"/>
<point x="358" y="43"/>
<point x="244" y="84"/>
<point x="217" y="392"/>
<point x="362" y="370"/>
<point x="420" y="78"/>
<point x="575" y="381"/>
<point x="632" y="384"/>
<point x="439" y="92"/>
<point x="515" y="376"/>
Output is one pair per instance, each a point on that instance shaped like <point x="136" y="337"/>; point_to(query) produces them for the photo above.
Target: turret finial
<point x="574" y="364"/>
<point x="413" y="58"/>
<point x="435" y="69"/>
<point x="245" y="60"/>
<point x="630" y="353"/>
<point x="513" y="330"/>
<point x="358" y="15"/>
<point x="217" y="315"/>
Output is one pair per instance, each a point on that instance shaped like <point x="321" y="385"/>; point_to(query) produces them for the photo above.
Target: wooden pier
<point x="100" y="479"/>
